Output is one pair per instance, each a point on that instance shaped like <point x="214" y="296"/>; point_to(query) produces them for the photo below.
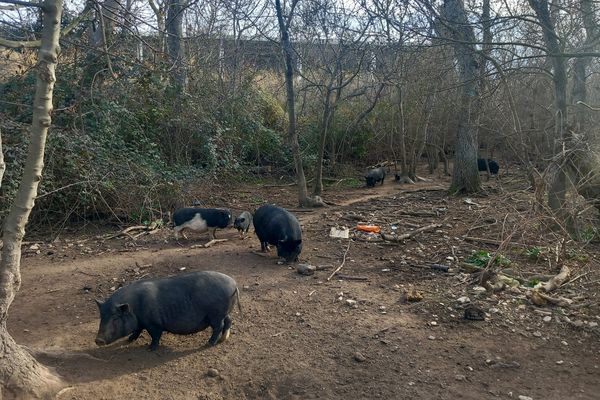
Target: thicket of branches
<point x="153" y="93"/>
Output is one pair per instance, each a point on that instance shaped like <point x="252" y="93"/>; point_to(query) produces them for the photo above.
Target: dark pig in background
<point x="494" y="167"/>
<point x="375" y="175"/>
<point x="242" y="223"/>
<point x="277" y="226"/>
<point x="182" y="304"/>
<point x="201" y="220"/>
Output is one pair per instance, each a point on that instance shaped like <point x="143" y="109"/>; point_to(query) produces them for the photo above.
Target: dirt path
<point x="298" y="338"/>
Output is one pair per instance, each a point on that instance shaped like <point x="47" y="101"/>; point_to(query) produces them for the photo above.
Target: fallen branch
<point x="557" y="281"/>
<point x="540" y="299"/>
<point x="398" y="238"/>
<point x="352" y="277"/>
<point x="127" y="231"/>
<point x="208" y="244"/>
<point x="493" y="242"/>
<point x="343" y="262"/>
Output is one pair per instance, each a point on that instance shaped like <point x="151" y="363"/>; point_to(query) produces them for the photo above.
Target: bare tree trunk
<point x="303" y="199"/>
<point x="327" y="116"/>
<point x="174" y="25"/>
<point x="466" y="176"/>
<point x="588" y="14"/>
<point x="2" y="163"/>
<point x="558" y="188"/>
<point x="21" y="375"/>
<point x="159" y="12"/>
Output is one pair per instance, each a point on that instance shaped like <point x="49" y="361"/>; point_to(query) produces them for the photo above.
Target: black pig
<point x="277" y="226"/>
<point x="375" y="175"/>
<point x="494" y="167"/>
<point x="201" y="220"/>
<point x="182" y="304"/>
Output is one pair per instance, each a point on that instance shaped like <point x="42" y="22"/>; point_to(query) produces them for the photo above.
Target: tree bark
<point x="579" y="91"/>
<point x="303" y="199"/>
<point x="174" y="47"/>
<point x="466" y="176"/>
<point x="21" y="375"/>
<point x="558" y="187"/>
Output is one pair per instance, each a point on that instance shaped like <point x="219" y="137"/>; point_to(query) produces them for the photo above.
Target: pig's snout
<point x="100" y="341"/>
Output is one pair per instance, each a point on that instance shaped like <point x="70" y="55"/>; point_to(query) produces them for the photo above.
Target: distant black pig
<point x="277" y="226"/>
<point x="242" y="223"/>
<point x="375" y="175"/>
<point x="494" y="167"/>
<point x="182" y="304"/>
<point x="201" y="220"/>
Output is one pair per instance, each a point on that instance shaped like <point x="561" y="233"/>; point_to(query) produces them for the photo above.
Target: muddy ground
<point x="299" y="337"/>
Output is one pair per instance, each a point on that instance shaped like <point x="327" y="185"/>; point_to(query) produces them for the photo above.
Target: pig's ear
<point x="123" y="307"/>
<point x="98" y="303"/>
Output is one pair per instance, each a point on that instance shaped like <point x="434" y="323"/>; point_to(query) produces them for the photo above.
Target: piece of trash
<point x="394" y="227"/>
<point x="368" y="228"/>
<point x="339" y="233"/>
<point x="439" y="267"/>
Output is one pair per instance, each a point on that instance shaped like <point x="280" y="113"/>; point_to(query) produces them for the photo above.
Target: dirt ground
<point x="299" y="337"/>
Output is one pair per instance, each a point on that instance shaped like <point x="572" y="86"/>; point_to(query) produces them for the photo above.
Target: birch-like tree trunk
<point x="21" y="376"/>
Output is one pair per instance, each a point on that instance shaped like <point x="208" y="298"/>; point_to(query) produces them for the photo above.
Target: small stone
<point x="26" y="330"/>
<point x="34" y="247"/>
<point x="460" y="377"/>
<point x="351" y="303"/>
<point x="381" y="308"/>
<point x="521" y="397"/>
<point x="463" y="300"/>
<point x="431" y="337"/>
<point x="470" y="369"/>
<point x="560" y="362"/>
<point x="537" y="334"/>
<point x="385" y="270"/>
<point x="547" y="318"/>
<point x="182" y="269"/>
<point x="433" y="323"/>
<point x="306" y="269"/>
<point x="298" y="314"/>
<point x="564" y="343"/>
<point x="212" y="372"/>
<point x="358" y="357"/>
<point x="245" y="287"/>
<point x="113" y="288"/>
<point x="479" y="289"/>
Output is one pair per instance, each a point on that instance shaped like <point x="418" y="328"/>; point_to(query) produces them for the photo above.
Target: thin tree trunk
<point x="327" y="115"/>
<point x="558" y="188"/>
<point x="303" y="199"/>
<point x="174" y="46"/>
<point x="21" y="375"/>
<point x="466" y="176"/>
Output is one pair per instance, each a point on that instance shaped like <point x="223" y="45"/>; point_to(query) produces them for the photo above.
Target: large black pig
<point x="375" y="175"/>
<point x="277" y="226"/>
<point x="201" y="220"/>
<point x="182" y="304"/>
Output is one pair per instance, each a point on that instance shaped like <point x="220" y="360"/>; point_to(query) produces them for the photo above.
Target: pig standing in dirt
<point x="375" y="175"/>
<point x="242" y="223"/>
<point x="201" y="220"/>
<point x="182" y="304"/>
<point x="277" y="226"/>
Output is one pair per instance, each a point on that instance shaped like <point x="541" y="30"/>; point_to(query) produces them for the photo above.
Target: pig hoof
<point x="224" y="336"/>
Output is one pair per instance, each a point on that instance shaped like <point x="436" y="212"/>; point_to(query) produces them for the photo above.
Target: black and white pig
<point x="182" y="304"/>
<point x="375" y="175"/>
<point x="201" y="220"/>
<point x="243" y="222"/>
<point x="277" y="226"/>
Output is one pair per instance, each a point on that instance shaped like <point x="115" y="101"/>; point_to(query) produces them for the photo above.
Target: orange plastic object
<point x="368" y="228"/>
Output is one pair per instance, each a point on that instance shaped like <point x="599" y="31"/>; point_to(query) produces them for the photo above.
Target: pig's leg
<point x="136" y="334"/>
<point x="217" y="328"/>
<point x="155" y="334"/>
<point x="226" y="327"/>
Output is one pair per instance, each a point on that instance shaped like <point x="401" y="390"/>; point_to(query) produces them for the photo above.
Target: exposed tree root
<point x="21" y="376"/>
